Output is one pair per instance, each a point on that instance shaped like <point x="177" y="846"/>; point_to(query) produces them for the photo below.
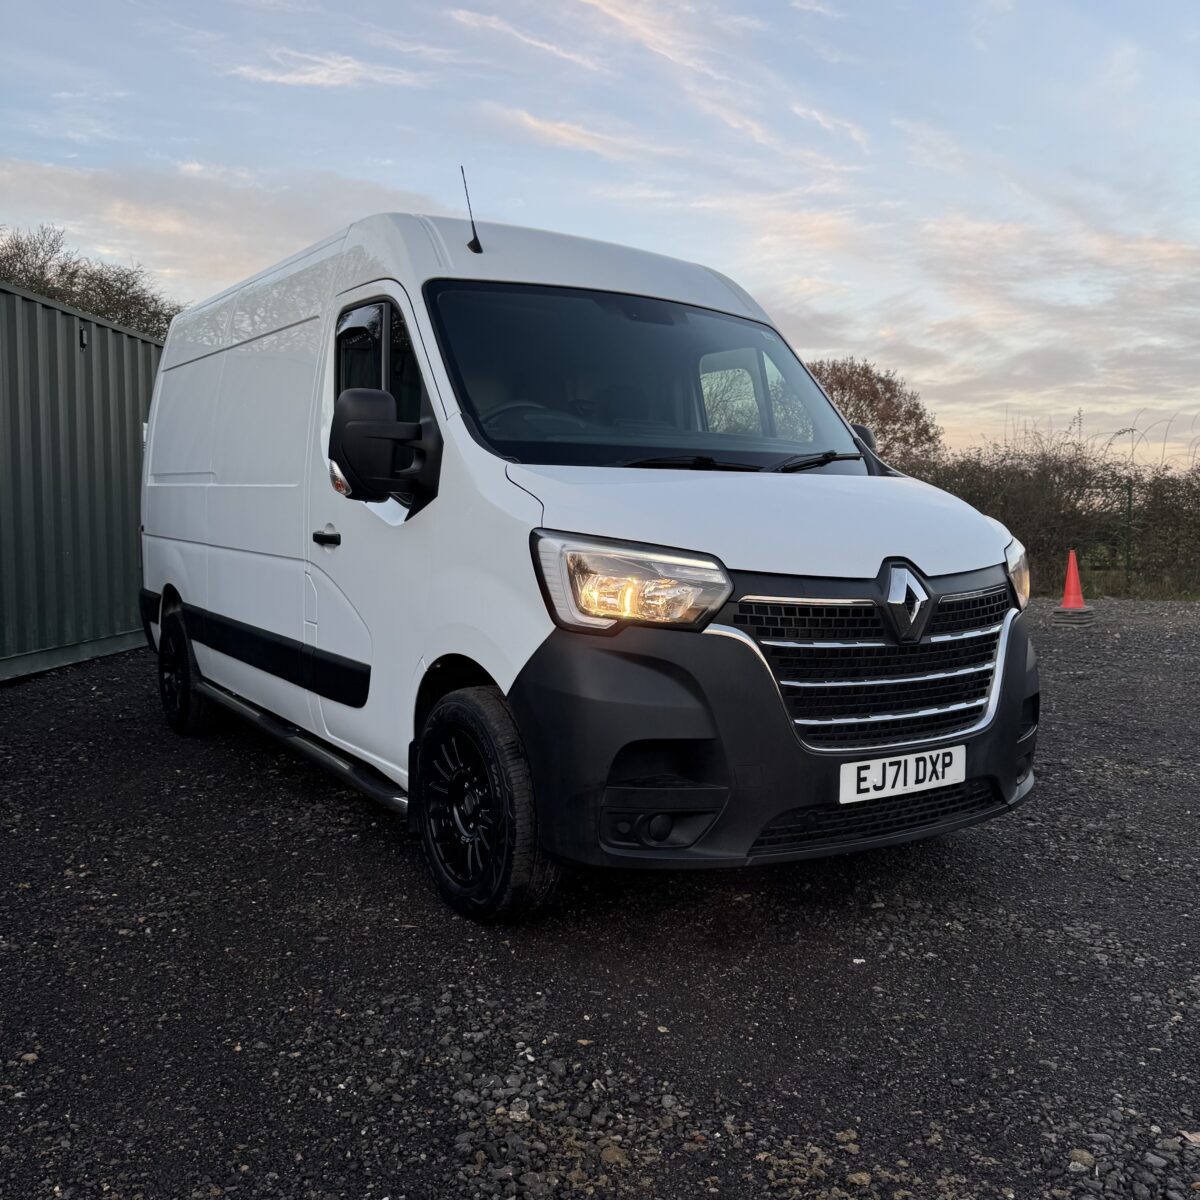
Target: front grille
<point x="977" y="610"/>
<point x="848" y="684"/>
<point x="856" y="621"/>
<point x="867" y="820"/>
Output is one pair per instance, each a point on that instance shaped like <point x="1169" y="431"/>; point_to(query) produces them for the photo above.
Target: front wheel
<point x="475" y="810"/>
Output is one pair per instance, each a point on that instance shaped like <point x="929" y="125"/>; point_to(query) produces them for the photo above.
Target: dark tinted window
<point x="360" y="348"/>
<point x="565" y="375"/>
<point x="404" y="376"/>
<point x="373" y="344"/>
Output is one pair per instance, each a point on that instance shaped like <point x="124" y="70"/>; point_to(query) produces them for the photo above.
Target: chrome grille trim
<point x="937" y="637"/>
<point x="821" y="683"/>
<point x="818" y="645"/>
<point x="969" y="633"/>
<point x="911" y="714"/>
<point x="803" y="600"/>
<point x="983" y="591"/>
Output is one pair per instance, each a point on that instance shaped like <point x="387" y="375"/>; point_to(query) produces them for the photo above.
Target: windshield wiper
<point x="802" y="462"/>
<point x="689" y="462"/>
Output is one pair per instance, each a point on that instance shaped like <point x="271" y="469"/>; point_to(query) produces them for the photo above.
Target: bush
<point x="1134" y="526"/>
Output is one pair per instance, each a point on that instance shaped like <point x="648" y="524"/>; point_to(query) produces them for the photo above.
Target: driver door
<point x="368" y="563"/>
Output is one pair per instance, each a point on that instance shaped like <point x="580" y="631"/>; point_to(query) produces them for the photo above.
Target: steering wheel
<point x="513" y="406"/>
<point x="533" y="407"/>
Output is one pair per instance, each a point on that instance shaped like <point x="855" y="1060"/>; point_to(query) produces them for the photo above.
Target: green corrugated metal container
<point x="74" y="393"/>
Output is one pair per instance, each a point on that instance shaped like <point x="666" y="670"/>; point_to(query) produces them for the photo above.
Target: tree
<point x="40" y="261"/>
<point x="904" y="428"/>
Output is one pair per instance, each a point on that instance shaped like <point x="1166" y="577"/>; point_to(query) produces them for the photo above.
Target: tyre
<point x="475" y="810"/>
<point x="187" y="711"/>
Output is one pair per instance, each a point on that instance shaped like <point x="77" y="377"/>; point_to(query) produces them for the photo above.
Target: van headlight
<point x="594" y="584"/>
<point x="1017" y="563"/>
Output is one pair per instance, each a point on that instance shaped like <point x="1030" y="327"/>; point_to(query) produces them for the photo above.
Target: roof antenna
<point x="473" y="245"/>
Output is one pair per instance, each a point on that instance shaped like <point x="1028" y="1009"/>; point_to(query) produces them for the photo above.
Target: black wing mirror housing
<point x="865" y="436"/>
<point x="380" y="456"/>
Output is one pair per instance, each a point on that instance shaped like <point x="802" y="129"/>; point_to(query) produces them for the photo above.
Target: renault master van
<point x="556" y="547"/>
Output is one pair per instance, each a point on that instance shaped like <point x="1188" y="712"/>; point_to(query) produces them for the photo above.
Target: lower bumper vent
<point x="844" y="825"/>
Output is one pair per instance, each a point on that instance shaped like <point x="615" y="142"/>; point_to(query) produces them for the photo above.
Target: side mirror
<point x="865" y="436"/>
<point x="379" y="455"/>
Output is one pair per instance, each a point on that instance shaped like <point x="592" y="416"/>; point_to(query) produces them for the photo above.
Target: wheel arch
<point x="445" y="675"/>
<point x="171" y="601"/>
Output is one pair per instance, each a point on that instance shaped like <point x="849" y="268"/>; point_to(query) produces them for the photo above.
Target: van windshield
<point x="566" y="375"/>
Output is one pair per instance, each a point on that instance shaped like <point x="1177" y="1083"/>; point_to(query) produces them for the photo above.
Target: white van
<point x="557" y="547"/>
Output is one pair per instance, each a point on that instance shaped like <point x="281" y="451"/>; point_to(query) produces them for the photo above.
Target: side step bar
<point x="358" y="775"/>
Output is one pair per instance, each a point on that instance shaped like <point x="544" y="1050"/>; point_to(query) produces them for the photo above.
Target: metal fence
<point x="74" y="393"/>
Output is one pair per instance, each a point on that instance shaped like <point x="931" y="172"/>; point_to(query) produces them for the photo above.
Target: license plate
<point x="875" y="778"/>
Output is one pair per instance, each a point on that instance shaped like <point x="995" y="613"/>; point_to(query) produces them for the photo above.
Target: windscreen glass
<point x="561" y="375"/>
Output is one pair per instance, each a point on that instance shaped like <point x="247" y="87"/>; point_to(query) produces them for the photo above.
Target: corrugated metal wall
<point x="70" y="469"/>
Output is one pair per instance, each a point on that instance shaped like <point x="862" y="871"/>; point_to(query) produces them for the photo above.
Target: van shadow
<point x="629" y="906"/>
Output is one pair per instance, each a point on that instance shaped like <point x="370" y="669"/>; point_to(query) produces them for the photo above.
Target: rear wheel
<point x="186" y="710"/>
<point x="476" y="813"/>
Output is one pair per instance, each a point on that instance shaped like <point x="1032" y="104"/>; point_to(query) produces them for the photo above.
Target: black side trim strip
<point x="149" y="604"/>
<point x="326" y="674"/>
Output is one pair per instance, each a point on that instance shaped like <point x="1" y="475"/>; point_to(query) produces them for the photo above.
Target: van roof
<point x="413" y="248"/>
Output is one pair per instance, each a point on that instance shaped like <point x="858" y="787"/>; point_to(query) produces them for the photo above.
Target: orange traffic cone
<point x="1072" y="610"/>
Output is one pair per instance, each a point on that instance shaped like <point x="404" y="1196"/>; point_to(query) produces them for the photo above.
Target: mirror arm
<point x="423" y="438"/>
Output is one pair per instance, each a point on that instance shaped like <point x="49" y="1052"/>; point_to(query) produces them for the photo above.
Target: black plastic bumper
<point x="670" y="749"/>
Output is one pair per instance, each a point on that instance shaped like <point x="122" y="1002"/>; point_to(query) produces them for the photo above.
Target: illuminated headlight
<point x="1018" y="570"/>
<point x="594" y="584"/>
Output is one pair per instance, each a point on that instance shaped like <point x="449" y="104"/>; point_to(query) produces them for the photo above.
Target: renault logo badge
<point x="908" y="602"/>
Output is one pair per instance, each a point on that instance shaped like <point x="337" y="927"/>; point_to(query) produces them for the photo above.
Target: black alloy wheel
<point x="187" y="711"/>
<point x="465" y="812"/>
<point x="475" y="810"/>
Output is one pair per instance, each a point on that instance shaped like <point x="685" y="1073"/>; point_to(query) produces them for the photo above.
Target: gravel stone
<point x="224" y="975"/>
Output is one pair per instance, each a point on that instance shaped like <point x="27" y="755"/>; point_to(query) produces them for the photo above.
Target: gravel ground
<point x="223" y="975"/>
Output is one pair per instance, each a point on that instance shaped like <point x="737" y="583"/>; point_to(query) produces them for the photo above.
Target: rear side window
<point x="374" y="350"/>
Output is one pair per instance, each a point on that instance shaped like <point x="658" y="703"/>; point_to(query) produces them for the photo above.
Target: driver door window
<point x="373" y="346"/>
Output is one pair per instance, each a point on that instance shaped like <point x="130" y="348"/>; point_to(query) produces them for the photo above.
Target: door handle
<point x="327" y="539"/>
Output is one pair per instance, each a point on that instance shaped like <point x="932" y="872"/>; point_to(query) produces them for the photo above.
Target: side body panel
<point x="224" y="502"/>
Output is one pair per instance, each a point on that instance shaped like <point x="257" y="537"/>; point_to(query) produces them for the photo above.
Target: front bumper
<point x="674" y="749"/>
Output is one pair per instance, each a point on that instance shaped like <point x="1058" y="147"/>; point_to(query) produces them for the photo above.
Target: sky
<point x="998" y="199"/>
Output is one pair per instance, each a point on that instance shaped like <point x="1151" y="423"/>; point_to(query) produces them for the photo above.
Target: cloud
<point x="83" y="116"/>
<point x="478" y="20"/>
<point x="655" y="26"/>
<point x="197" y="227"/>
<point x="577" y="137"/>
<point x="215" y="171"/>
<point x="713" y="102"/>
<point x="422" y="50"/>
<point x="834" y="125"/>
<point x="826" y="52"/>
<point x="1122" y="69"/>
<point x="298" y="68"/>
<point x="984" y="16"/>
<point x="932" y="148"/>
<point x="816" y="7"/>
<point x="288" y="6"/>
